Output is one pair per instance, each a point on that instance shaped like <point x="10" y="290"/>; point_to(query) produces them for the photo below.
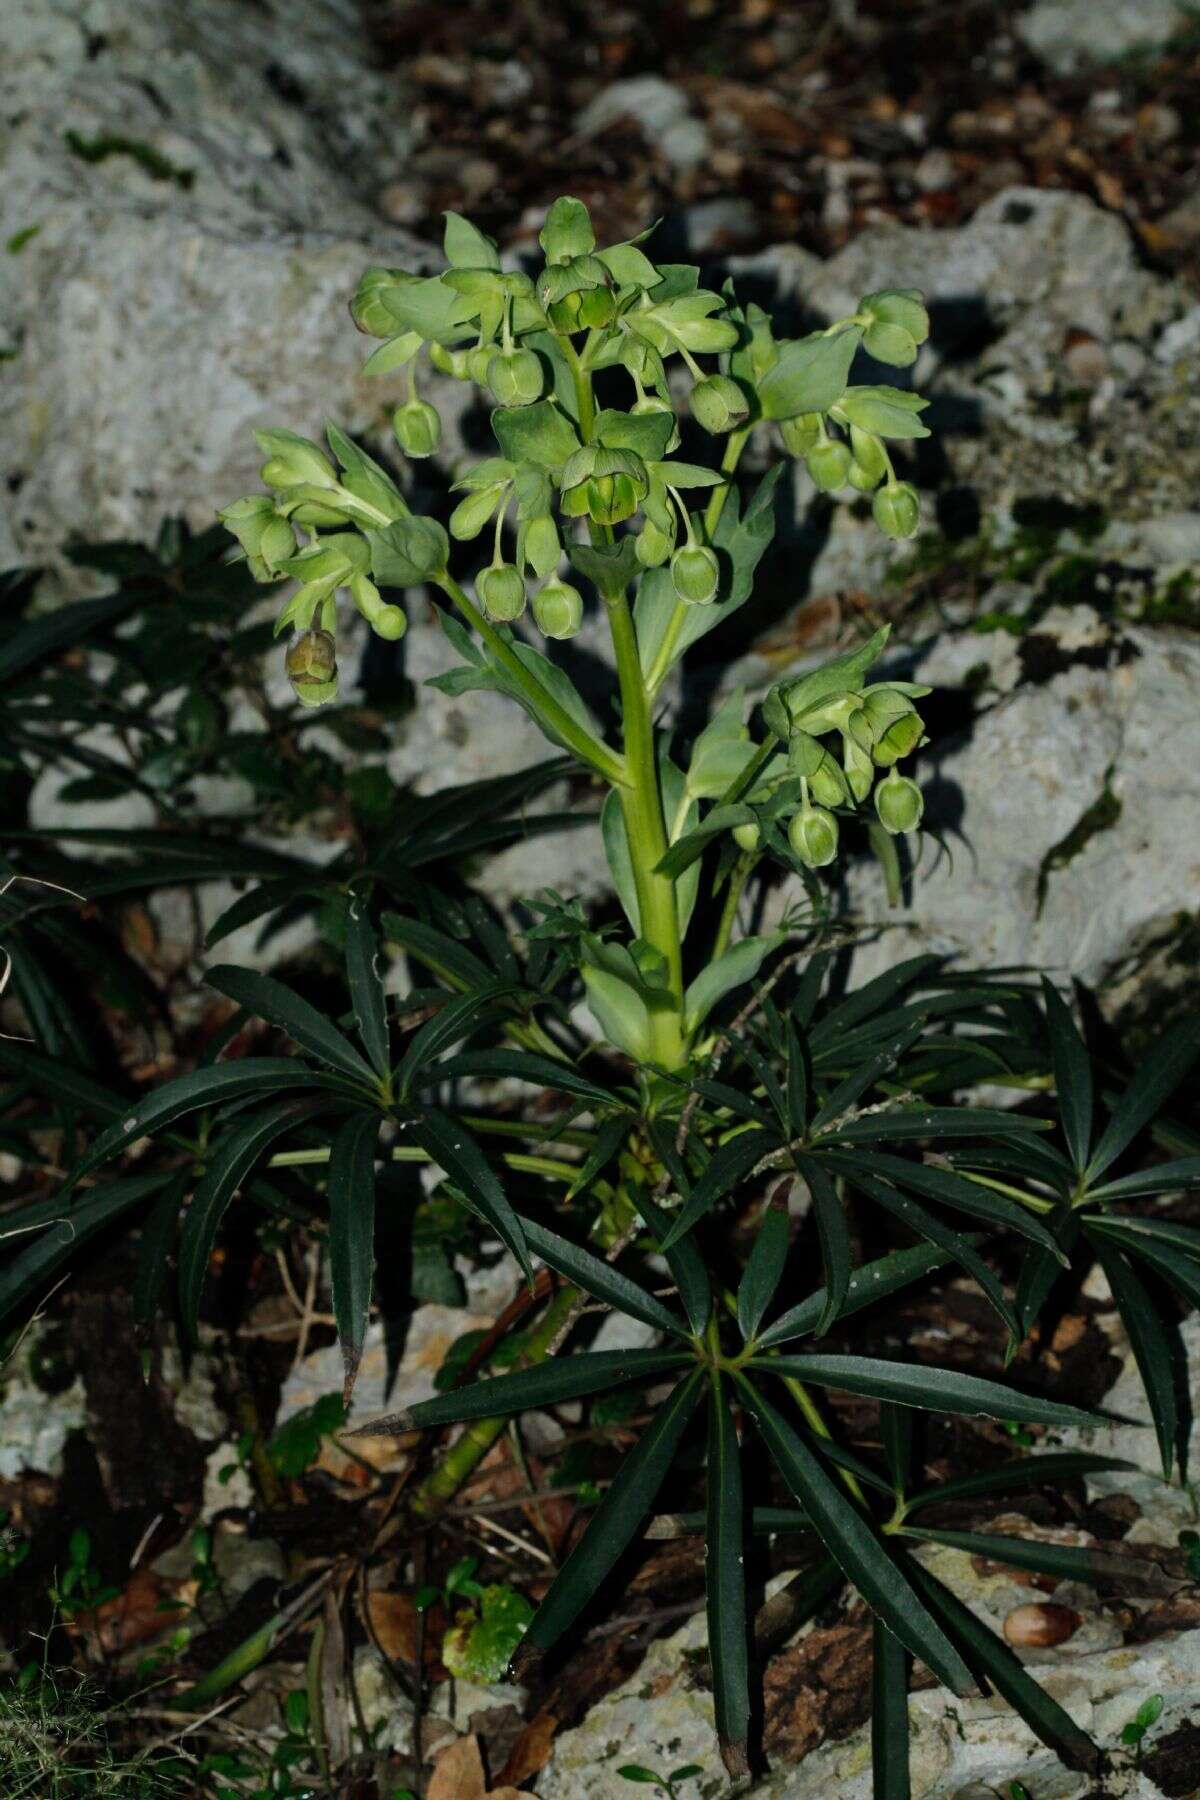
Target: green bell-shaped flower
<point x="801" y="433"/>
<point x="896" y="322"/>
<point x="418" y="428"/>
<point x="857" y="767"/>
<point x="311" y="664"/>
<point x="868" y="461"/>
<point x="828" y="462"/>
<point x="718" y="404"/>
<point x="558" y="609"/>
<point x="515" y="377"/>
<point x="813" y="835"/>
<point x="695" y="574"/>
<point x="605" y="485"/>
<point x="896" y="509"/>
<point x="502" y="590"/>
<point x="453" y="362"/>
<point x="748" y="836"/>
<point x="293" y="461"/>
<point x="896" y="725"/>
<point x="899" y="803"/>
<point x="390" y="622"/>
<point x="653" y="545"/>
<point x="264" y="534"/>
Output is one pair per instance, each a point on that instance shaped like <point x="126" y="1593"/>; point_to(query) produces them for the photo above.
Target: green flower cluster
<point x="872" y="728"/>
<point x="534" y="344"/>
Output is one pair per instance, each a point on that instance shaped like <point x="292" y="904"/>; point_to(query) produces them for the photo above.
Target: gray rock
<point x="192" y="187"/>
<point x="1069" y="34"/>
<point x="659" y="108"/>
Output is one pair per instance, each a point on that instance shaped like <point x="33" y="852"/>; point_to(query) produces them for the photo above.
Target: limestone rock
<point x="1069" y="34"/>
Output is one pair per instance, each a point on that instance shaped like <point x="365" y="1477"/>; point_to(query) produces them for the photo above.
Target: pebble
<point x="1038" y="1625"/>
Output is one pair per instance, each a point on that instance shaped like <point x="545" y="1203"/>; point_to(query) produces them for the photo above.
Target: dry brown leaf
<point x="392" y="1619"/>
<point x="145" y="1608"/>
<point x="458" y="1775"/>
<point x="531" y="1752"/>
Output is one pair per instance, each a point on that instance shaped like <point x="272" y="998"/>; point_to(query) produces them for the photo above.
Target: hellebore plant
<point x="688" y="1076"/>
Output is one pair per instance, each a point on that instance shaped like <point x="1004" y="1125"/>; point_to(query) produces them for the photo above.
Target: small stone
<point x="935" y="172"/>
<point x="1040" y="1625"/>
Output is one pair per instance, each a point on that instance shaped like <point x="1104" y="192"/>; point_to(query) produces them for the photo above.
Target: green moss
<point x="19" y="239"/>
<point x="1178" y="603"/>
<point x="1100" y="816"/>
<point x="155" y="164"/>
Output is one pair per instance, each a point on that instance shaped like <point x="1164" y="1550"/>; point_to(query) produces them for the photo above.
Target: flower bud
<point x="597" y="307"/>
<point x="801" y="433"/>
<point x="695" y="574"/>
<point x="890" y="344"/>
<point x="311" y="664"/>
<point x="473" y="512"/>
<point x="558" y="609"/>
<point x="567" y="231"/>
<point x="540" y="544"/>
<point x="293" y="461"/>
<point x="747" y="836"/>
<point x="502" y="591"/>
<point x="388" y="622"/>
<point x="607" y="485"/>
<point x="478" y="359"/>
<point x="828" y="462"/>
<point x="653" y="546"/>
<point x="813" y="835"/>
<point x="718" y="404"/>
<point x="418" y="428"/>
<point x="899" y="803"/>
<point x="869" y="460"/>
<point x="369" y="308"/>
<point x="447" y="361"/>
<point x="897" y="509"/>
<point x="654" y="403"/>
<point x="515" y="377"/>
<point x="263" y="533"/>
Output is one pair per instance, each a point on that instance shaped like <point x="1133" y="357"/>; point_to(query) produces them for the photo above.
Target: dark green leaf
<point x="725" y="1573"/>
<point x="352" y="1235"/>
<point x="993" y="1658"/>
<point x="154" y="1251"/>
<point x="873" y="1281"/>
<point x="935" y="1122"/>
<point x="1151" y="1349"/>
<point x="836" y="1254"/>
<point x="616" y="1519"/>
<point x="873" y="997"/>
<point x="1161" y="1179"/>
<point x="896" y="1430"/>
<point x="600" y="1279"/>
<point x="456" y="1019"/>
<point x="927" y="1387"/>
<point x="1024" y="1471"/>
<point x="907" y="1210"/>
<point x="447" y="958"/>
<point x="610" y="1137"/>
<point x="549" y="1384"/>
<point x="35" y="638"/>
<point x="448" y="1143"/>
<point x="1154" y="1083"/>
<point x="1072" y="1074"/>
<point x="202" y="1087"/>
<point x="269" y="999"/>
<point x="366" y="984"/>
<point x="729" y="1165"/>
<point x="763" y="1271"/>
<point x="1065" y="1562"/>
<point x="889" y="1716"/>
<point x="25" y="1275"/>
<point x="953" y="1190"/>
<point x="852" y="1542"/>
<point x="228" y="1163"/>
<point x="684" y="1260"/>
<point x="847" y="1093"/>
<point x="524" y="1065"/>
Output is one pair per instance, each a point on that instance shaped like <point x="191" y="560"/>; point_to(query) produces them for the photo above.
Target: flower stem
<point x="659" y="669"/>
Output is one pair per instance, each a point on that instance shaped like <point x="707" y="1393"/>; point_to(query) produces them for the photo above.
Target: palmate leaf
<point x="852" y="1542"/>
<point x="449" y="1144"/>
<point x="1160" y="1074"/>
<point x="1152" y="1349"/>
<point x="889" y="1716"/>
<point x="366" y="985"/>
<point x="204" y="1087"/>
<point x="269" y="999"/>
<point x="549" y="1384"/>
<point x="352" y="1235"/>
<point x="600" y="1279"/>
<point x="873" y="1281"/>
<point x="725" y="1575"/>
<point x="229" y="1161"/>
<point x="615" y="1521"/>
<point x="1072" y="1075"/>
<point x="926" y="1387"/>
<point x="994" y="1660"/>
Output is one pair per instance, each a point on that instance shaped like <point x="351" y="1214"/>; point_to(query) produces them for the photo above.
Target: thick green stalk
<point x="468" y="1451"/>
<point x="641" y="806"/>
<point x="587" y="748"/>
